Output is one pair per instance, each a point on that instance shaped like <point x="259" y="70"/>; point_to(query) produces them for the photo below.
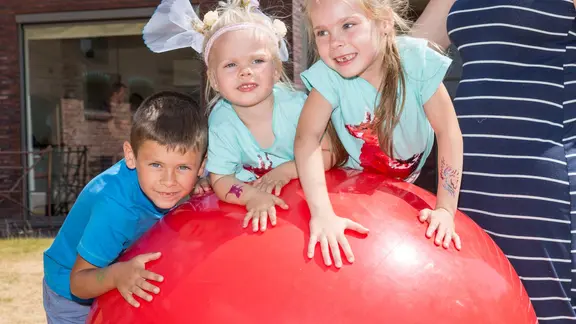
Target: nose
<point x="336" y="41"/>
<point x="246" y="72"/>
<point x="168" y="178"/>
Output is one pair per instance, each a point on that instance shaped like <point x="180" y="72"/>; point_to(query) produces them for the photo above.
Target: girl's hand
<point x="277" y="178"/>
<point x="441" y="221"/>
<point x="328" y="229"/>
<point x="202" y="187"/>
<point x="261" y="206"/>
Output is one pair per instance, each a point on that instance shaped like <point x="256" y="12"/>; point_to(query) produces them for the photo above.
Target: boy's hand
<point x="202" y="187"/>
<point x="130" y="278"/>
<point x="329" y="230"/>
<point x="274" y="180"/>
<point x="261" y="206"/>
<point x="441" y="222"/>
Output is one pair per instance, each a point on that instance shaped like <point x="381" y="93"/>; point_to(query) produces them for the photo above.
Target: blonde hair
<point x="387" y="113"/>
<point x="237" y="12"/>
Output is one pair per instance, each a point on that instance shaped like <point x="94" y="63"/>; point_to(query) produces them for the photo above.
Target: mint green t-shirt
<point x="233" y="150"/>
<point x="354" y="99"/>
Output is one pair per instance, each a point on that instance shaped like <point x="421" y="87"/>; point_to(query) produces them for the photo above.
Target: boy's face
<point x="165" y="176"/>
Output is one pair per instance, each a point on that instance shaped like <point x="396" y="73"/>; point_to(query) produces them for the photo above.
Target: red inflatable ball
<point x="217" y="272"/>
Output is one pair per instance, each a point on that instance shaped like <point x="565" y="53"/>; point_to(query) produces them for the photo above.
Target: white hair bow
<point x="175" y="25"/>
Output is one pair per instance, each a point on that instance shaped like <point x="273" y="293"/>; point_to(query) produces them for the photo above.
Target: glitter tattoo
<point x="236" y="190"/>
<point x="449" y="178"/>
<point x="100" y="275"/>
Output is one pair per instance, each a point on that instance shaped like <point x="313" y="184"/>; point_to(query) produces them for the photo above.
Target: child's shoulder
<point x="116" y="184"/>
<point x="288" y="95"/>
<point x="221" y="115"/>
<point x="419" y="58"/>
<point x="412" y="48"/>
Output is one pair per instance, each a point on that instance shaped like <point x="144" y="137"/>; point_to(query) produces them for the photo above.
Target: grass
<point x="21" y="280"/>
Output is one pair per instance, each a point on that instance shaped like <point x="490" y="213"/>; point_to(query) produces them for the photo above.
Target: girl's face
<point x="346" y="38"/>
<point x="242" y="67"/>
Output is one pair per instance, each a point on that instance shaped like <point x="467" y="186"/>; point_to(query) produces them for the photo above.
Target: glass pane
<point x="82" y="92"/>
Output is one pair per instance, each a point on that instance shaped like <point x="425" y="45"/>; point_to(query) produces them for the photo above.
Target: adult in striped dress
<point x="516" y="103"/>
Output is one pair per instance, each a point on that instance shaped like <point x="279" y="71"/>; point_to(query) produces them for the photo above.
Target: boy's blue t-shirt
<point x="233" y="150"/>
<point x="110" y="213"/>
<point x="354" y="100"/>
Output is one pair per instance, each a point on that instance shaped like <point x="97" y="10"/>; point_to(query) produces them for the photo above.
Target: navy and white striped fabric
<point x="516" y="105"/>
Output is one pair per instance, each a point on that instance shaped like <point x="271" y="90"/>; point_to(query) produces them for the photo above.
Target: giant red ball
<point x="217" y="272"/>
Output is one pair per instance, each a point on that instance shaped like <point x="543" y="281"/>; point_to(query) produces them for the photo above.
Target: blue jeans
<point x="60" y="310"/>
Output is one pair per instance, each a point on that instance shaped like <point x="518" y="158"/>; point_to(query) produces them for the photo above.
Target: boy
<point x="161" y="165"/>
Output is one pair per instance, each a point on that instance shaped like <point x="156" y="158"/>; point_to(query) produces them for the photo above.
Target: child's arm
<point x="442" y="117"/>
<point x="129" y="277"/>
<point x="273" y="181"/>
<point x="325" y="226"/>
<point x="259" y="204"/>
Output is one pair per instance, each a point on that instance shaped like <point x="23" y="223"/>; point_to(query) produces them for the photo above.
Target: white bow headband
<point x="175" y="25"/>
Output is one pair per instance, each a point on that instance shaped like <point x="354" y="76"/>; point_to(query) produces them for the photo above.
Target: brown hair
<point x="171" y="119"/>
<point x="388" y="111"/>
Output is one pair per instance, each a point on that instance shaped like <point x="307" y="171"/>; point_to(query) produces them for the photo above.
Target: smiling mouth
<point x="345" y="58"/>
<point x="167" y="194"/>
<point x="247" y="87"/>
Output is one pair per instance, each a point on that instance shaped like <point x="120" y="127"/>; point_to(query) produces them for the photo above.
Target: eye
<point x="154" y="165"/>
<point x="259" y="61"/>
<point x="321" y="33"/>
<point x="229" y="65"/>
<point x="347" y="25"/>
<point x="183" y="168"/>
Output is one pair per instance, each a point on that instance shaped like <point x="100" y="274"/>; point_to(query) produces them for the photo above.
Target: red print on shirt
<point x="263" y="166"/>
<point x="373" y="159"/>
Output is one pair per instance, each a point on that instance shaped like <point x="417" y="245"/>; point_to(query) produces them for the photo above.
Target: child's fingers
<point x="149" y="257"/>
<point x="325" y="248"/>
<point x="280" y="202"/>
<point x="247" y="218"/>
<point x="145" y="285"/>
<point x="312" y="245"/>
<point x="424" y="215"/>
<point x="206" y="187"/>
<point x="448" y="238"/>
<point x="141" y="293"/>
<point x="270" y="187"/>
<point x="440" y="234"/>
<point x="432" y="227"/>
<point x="255" y="221"/>
<point x="130" y="299"/>
<point x="263" y="220"/>
<point x="149" y="275"/>
<point x="335" y="249"/>
<point x="457" y="242"/>
<point x="272" y="214"/>
<point x="343" y="241"/>
<point x="278" y="187"/>
<point x="352" y="225"/>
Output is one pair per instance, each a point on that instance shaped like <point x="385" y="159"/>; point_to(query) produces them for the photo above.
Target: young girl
<point x="253" y="116"/>
<point x="385" y="97"/>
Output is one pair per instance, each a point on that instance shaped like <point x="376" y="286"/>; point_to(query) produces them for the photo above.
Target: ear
<point x="202" y="168"/>
<point x="129" y="156"/>
<point x="277" y="70"/>
<point x="213" y="80"/>
<point x="276" y="75"/>
<point x="386" y="25"/>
